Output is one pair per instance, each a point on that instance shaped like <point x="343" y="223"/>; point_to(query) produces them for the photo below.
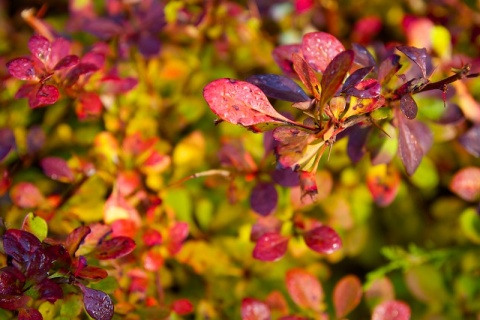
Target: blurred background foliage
<point x="426" y="241"/>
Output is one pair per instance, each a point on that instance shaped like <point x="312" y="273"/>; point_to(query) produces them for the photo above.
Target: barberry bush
<point x="239" y="160"/>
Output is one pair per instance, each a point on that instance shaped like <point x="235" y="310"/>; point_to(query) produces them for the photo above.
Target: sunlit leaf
<point x="176" y="236"/>
<point x="391" y="310"/>
<point x="359" y="106"/>
<point x="383" y="181"/>
<point x="26" y="195"/>
<point x="75" y="238"/>
<point x="279" y="87"/>
<point x="242" y="103"/>
<point x="271" y="246"/>
<point x="253" y="309"/>
<point x="382" y="148"/>
<point x="40" y="47"/>
<point x="466" y="183"/>
<point x="304" y="289"/>
<point x="153" y="260"/>
<point x="426" y="283"/>
<point x="470" y="225"/>
<point x="308" y="185"/>
<point x="263" y="198"/>
<point x="277" y="302"/>
<point x="319" y="48"/>
<point x="46" y="95"/>
<point x="35" y="225"/>
<point x="347" y="295"/>
<point x="307" y="75"/>
<point x="22" y="68"/>
<point x="323" y="239"/>
<point x="380" y="290"/>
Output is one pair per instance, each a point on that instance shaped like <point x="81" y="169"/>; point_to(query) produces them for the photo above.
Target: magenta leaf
<point x="319" y="48"/>
<point x="113" y="84"/>
<point x="408" y="106"/>
<point x="335" y="73"/>
<point x="388" y="68"/>
<point x="67" y="62"/>
<point x="75" y="238"/>
<point x="356" y="142"/>
<point x="176" y="236"/>
<point x="97" y="303"/>
<point x="253" y="309"/>
<point x="60" y="49"/>
<point x="283" y="57"/>
<point x="182" y="306"/>
<point x="265" y="225"/>
<point x="40" y="47"/>
<point x="35" y="139"/>
<point x="418" y="56"/>
<point x="7" y="142"/>
<point x="391" y="310"/>
<point x="470" y="140"/>
<point x="116" y="247"/>
<point x="304" y="289"/>
<point x="466" y="183"/>
<point x="13" y="302"/>
<point x="414" y="141"/>
<point x="347" y="295"/>
<point x="242" y="103"/>
<point x="263" y="198"/>
<point x="270" y="247"/>
<point x="323" y="239"/>
<point x="46" y="95"/>
<point x="74" y="74"/>
<point x="279" y="87"/>
<point x="29" y="314"/>
<point x="355" y="78"/>
<point x="22" y="68"/>
<point x="362" y="56"/>
<point x="57" y="169"/>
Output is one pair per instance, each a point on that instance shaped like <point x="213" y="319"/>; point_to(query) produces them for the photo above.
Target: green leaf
<point x="426" y="283"/>
<point x="470" y="225"/>
<point x="36" y="226"/>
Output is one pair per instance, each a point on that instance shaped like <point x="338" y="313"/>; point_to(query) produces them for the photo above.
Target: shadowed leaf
<point x="97" y="303"/>
<point x="269" y="224"/>
<point x="11" y="302"/>
<point x="408" y="106"/>
<point x="323" y="239"/>
<point x="29" y="314"/>
<point x="418" y="56"/>
<point x="67" y="62"/>
<point x="471" y="140"/>
<point x="283" y="57"/>
<point x="285" y="177"/>
<point x="20" y="244"/>
<point x="334" y="74"/>
<point x="263" y="198"/>
<point x="347" y="295"/>
<point x="270" y="247"/>
<point x="388" y="68"/>
<point x="279" y="87"/>
<point x="362" y="56"/>
<point x="356" y="142"/>
<point x="466" y="183"/>
<point x="319" y="48"/>
<point x="307" y="75"/>
<point x="39" y="46"/>
<point x="7" y="142"/>
<point x="46" y="95"/>
<point x="253" y="309"/>
<point x="114" y="248"/>
<point x="355" y="78"/>
<point x="304" y="289"/>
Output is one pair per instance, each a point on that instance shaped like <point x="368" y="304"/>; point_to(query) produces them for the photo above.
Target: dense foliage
<point x="130" y="188"/>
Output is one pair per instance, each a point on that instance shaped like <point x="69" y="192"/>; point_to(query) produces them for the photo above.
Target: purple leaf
<point x="148" y="45"/>
<point x="452" y="115"/>
<point x="20" y="244"/>
<point x="356" y="142"/>
<point x="46" y="95"/>
<point x="414" y="141"/>
<point x="40" y="47"/>
<point x="323" y="239"/>
<point x="75" y="238"/>
<point x="35" y="139"/>
<point x="388" y="68"/>
<point x="37" y="265"/>
<point x="283" y="57"/>
<point x="60" y="49"/>
<point x="67" y="62"/>
<point x="97" y="303"/>
<point x="263" y="198"/>
<point x="470" y="140"/>
<point x="116" y="247"/>
<point x="49" y="290"/>
<point x="319" y="49"/>
<point x="11" y="281"/>
<point x="279" y="87"/>
<point x="362" y="56"/>
<point x="117" y="85"/>
<point x="270" y="247"/>
<point x="286" y="177"/>
<point x="22" y="68"/>
<point x="242" y="103"/>
<point x="74" y="74"/>
<point x="408" y="106"/>
<point x="355" y="78"/>
<point x="335" y="73"/>
<point x="418" y="56"/>
<point x="57" y="169"/>
<point x="29" y="314"/>
<point x="7" y="142"/>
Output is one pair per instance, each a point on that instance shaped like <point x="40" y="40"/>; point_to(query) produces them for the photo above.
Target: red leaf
<point x="408" y="106"/>
<point x="263" y="198"/>
<point x="22" y="68"/>
<point x="46" y="95"/>
<point x="57" y="169"/>
<point x="182" y="307"/>
<point x="88" y="105"/>
<point x="319" y="48"/>
<point x="414" y="140"/>
<point x="75" y="238"/>
<point x="334" y="74"/>
<point x="67" y="62"/>
<point x="323" y="239"/>
<point x="253" y="309"/>
<point x="391" y="310"/>
<point x="97" y="303"/>
<point x="270" y="247"/>
<point x="74" y="74"/>
<point x="11" y="302"/>
<point x="153" y="260"/>
<point x="35" y="139"/>
<point x="114" y="248"/>
<point x="29" y="314"/>
<point x="92" y="273"/>
<point x="304" y="289"/>
<point x="308" y="185"/>
<point x="176" y="235"/>
<point x="383" y="181"/>
<point x="466" y="183"/>
<point x="40" y="47"/>
<point x="277" y="302"/>
<point x="307" y="75"/>
<point x="265" y="225"/>
<point x="242" y="103"/>
<point x="152" y="237"/>
<point x="283" y="57"/>
<point x="347" y="295"/>
<point x="26" y="195"/>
